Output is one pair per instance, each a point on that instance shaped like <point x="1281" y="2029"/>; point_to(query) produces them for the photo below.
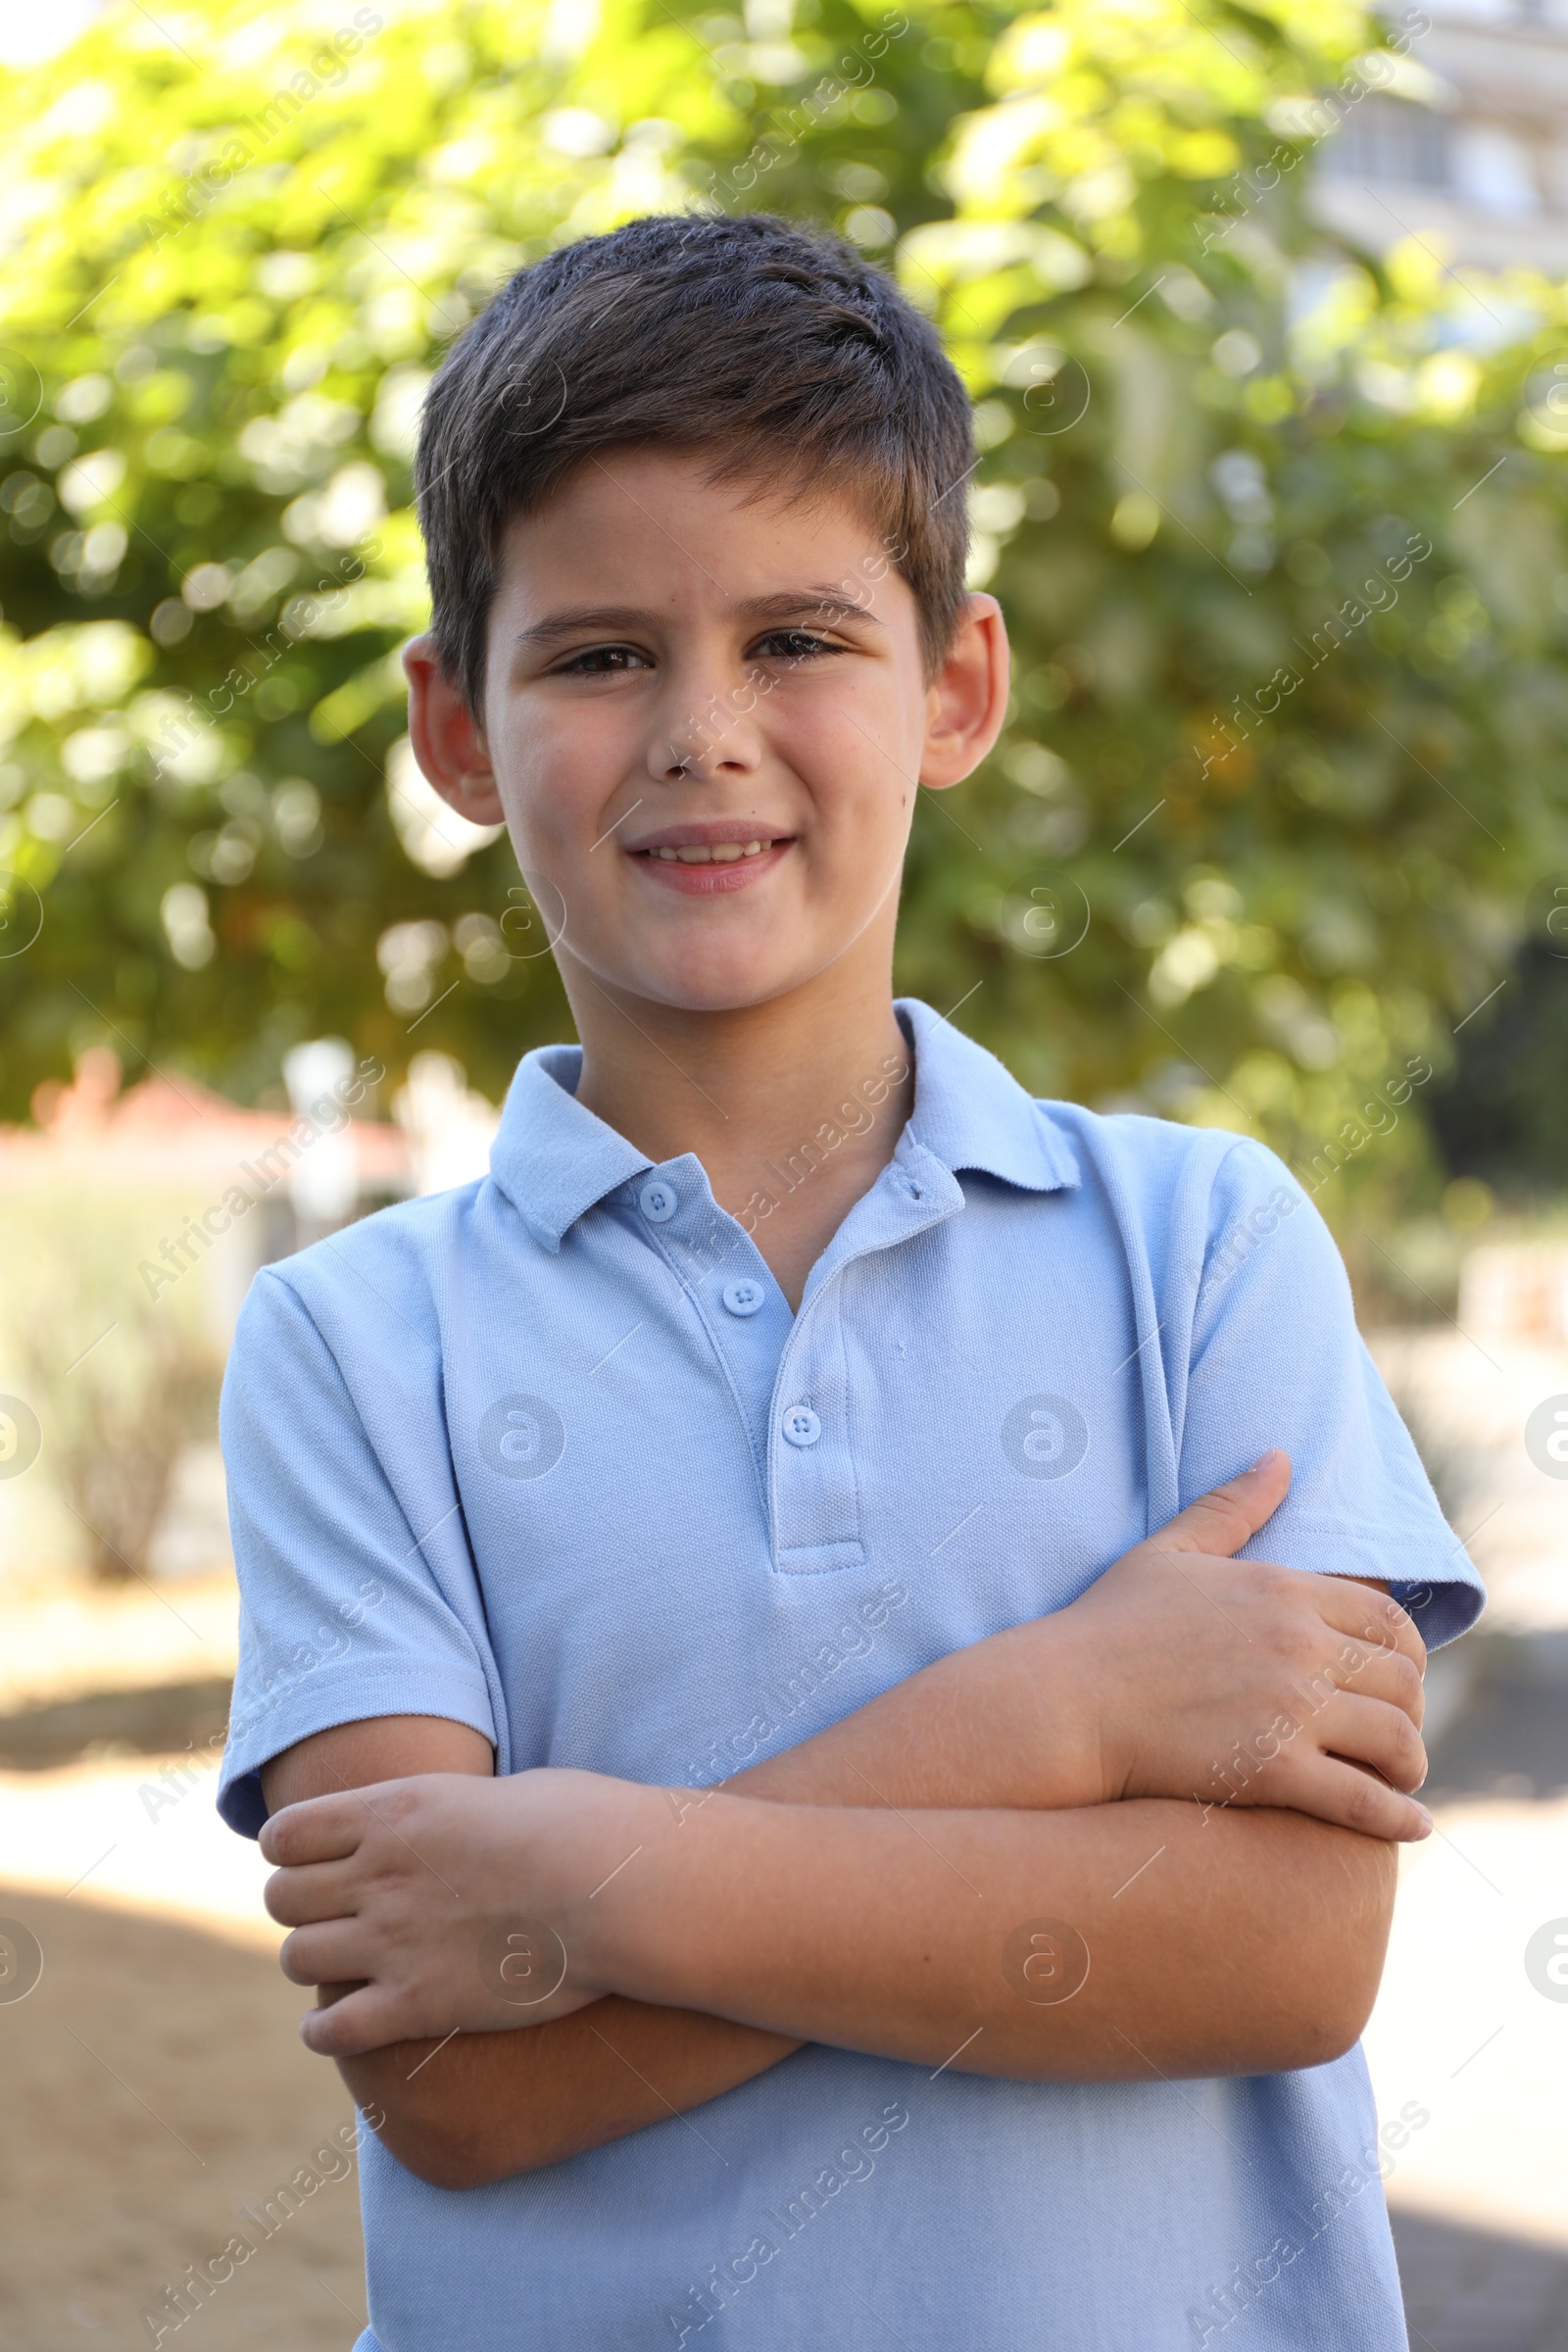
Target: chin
<point x="700" y="985"/>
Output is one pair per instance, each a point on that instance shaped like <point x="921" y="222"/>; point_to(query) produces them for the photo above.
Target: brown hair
<point x="777" y="346"/>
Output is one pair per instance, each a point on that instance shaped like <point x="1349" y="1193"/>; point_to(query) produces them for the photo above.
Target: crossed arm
<point x="861" y="1890"/>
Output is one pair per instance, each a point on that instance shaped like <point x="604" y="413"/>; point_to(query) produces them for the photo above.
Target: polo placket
<point x="745" y="1315"/>
<point x="788" y="1374"/>
<point x="814" y="1491"/>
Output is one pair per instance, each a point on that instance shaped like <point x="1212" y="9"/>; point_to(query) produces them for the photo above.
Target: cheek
<point x="557" y="771"/>
<point x="860" y="767"/>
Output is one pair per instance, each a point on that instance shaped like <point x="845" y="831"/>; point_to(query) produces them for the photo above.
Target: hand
<point x="424" y="1905"/>
<point x="1240" y="1683"/>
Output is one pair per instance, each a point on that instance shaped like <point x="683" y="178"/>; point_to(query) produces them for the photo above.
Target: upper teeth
<point x="715" y="852"/>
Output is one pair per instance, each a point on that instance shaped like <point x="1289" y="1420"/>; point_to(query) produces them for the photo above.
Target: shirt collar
<point x="555" y="1159"/>
<point x="969" y="1112"/>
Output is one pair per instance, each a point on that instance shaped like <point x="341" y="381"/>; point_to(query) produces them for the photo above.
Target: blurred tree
<point x="1280" y="533"/>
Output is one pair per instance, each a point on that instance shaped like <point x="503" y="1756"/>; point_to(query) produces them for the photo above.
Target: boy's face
<point x="705" y="721"/>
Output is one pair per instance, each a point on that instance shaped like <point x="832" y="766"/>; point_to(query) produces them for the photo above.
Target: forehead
<point x="654" y="519"/>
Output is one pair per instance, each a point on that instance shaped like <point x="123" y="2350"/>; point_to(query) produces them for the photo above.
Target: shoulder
<point x="1196" y="1203"/>
<point x="377" y="1280"/>
<point x="1160" y="1158"/>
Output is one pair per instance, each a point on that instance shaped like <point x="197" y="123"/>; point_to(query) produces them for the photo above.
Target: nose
<point x="710" y="737"/>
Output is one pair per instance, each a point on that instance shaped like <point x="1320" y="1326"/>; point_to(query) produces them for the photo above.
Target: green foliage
<point x="1233" y="859"/>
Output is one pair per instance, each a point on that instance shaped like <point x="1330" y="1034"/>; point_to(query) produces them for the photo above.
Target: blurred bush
<point x="122" y="1384"/>
<point x="1279" y="531"/>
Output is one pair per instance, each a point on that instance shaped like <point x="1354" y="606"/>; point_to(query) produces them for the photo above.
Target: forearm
<point x="1248" y="1942"/>
<point x="1005" y="1722"/>
<point x="992" y="1726"/>
<point x="489" y="2105"/>
<point x="1013" y="1726"/>
<point x="1252" y="1942"/>
<point x="986" y="1720"/>
<point x="1235" y="1944"/>
<point x="995" y="1724"/>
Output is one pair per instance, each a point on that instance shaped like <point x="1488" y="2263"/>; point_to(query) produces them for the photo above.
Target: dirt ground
<point x="153" y="2087"/>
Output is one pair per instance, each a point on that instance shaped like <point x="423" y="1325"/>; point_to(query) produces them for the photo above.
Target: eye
<point x="795" y="645"/>
<point x="602" y="661"/>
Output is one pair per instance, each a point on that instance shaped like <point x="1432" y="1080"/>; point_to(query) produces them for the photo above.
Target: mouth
<point x="703" y="852"/>
<point x="713" y="855"/>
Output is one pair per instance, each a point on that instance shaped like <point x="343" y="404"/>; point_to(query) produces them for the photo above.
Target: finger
<point x="1366" y="1730"/>
<point x="1377" y="1616"/>
<point x="320" y="1829"/>
<point x="296" y="1897"/>
<point x="364" y="2020"/>
<point x="1373" y="1617"/>
<point x="1220" y="1521"/>
<point x="338" y="1951"/>
<point x="1361" y="1666"/>
<point x="1351" y="1799"/>
<point x="1389" y="1675"/>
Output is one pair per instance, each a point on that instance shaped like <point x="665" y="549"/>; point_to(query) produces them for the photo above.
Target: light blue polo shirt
<point x="549" y="1455"/>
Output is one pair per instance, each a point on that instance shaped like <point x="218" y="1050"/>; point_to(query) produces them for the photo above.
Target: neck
<point x="797" y="1103"/>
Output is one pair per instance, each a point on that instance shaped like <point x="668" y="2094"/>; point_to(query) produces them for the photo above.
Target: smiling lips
<point x="693" y="859"/>
<point x="717" y="853"/>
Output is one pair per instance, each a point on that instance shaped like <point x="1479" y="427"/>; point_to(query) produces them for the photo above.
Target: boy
<point x="768" y="1555"/>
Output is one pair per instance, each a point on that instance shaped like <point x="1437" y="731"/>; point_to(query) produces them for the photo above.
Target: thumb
<point x="1220" y="1521"/>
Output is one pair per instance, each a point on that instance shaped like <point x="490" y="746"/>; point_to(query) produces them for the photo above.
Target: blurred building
<point x="170" y="1139"/>
<point x="261" y="1183"/>
<point x="449" y="1128"/>
<point x="1468" y="147"/>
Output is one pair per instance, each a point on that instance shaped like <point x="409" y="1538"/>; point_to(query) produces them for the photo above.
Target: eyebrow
<point x="825" y="603"/>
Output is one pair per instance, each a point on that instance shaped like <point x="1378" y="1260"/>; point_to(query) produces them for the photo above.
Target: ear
<point x="446" y="737"/>
<point x="966" y="704"/>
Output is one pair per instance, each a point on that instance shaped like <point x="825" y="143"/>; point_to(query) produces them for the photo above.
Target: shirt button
<point x="659" y="1202"/>
<point x="743" y="1298"/>
<point x="802" y="1426"/>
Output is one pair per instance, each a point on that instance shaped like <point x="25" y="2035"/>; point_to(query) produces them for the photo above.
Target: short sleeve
<point x="1276" y="1360"/>
<point x="352" y="1593"/>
